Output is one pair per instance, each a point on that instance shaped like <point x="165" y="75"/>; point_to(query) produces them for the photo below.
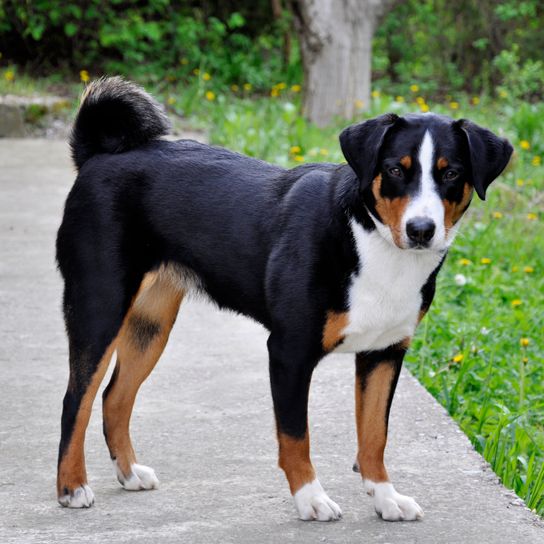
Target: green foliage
<point x="151" y="40"/>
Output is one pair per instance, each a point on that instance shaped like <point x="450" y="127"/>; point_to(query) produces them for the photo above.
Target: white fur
<point x="82" y="497"/>
<point x="390" y="505"/>
<point x="313" y="503"/>
<point x="427" y="202"/>
<point x="141" y="477"/>
<point x="384" y="296"/>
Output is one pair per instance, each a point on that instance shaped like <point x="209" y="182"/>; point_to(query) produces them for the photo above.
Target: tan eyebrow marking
<point x="442" y="162"/>
<point x="406" y="161"/>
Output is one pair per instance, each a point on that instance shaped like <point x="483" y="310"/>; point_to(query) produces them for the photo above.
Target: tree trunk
<point x="336" y="46"/>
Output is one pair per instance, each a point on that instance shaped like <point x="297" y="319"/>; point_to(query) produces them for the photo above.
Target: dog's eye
<point x="395" y="171"/>
<point x="450" y="175"/>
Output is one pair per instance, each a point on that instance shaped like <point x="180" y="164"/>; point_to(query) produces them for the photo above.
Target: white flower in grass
<point x="485" y="331"/>
<point x="460" y="279"/>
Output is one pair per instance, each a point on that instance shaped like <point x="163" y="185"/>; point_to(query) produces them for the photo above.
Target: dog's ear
<point x="489" y="154"/>
<point x="361" y="144"/>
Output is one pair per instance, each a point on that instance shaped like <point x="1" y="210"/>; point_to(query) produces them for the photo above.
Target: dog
<point x="328" y="257"/>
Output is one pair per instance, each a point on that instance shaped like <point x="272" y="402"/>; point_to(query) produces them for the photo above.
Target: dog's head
<point x="417" y="173"/>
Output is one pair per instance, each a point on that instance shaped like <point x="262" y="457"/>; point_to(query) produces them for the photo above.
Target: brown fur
<point x="442" y="163"/>
<point x="295" y="461"/>
<point x="158" y="302"/>
<point x="406" y="161"/>
<point x="72" y="473"/>
<point x="370" y="410"/>
<point x="390" y="210"/>
<point x="454" y="210"/>
<point x="332" y="331"/>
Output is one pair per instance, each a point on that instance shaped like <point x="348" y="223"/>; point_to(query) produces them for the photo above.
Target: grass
<point x="479" y="351"/>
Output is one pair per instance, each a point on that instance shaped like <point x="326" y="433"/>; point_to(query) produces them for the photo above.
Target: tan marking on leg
<point x="390" y="210"/>
<point x="294" y="460"/>
<point x="332" y="331"/>
<point x="454" y="210"/>
<point x="157" y="302"/>
<point x="370" y="409"/>
<point x="441" y="163"/>
<point x="406" y="161"/>
<point x="72" y="473"/>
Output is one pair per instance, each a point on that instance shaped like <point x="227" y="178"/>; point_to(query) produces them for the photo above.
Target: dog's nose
<point x="420" y="230"/>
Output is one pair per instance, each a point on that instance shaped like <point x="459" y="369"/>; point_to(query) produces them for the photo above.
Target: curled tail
<point x="115" y="116"/>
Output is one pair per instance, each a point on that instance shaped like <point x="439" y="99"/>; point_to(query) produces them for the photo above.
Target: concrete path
<point x="204" y="420"/>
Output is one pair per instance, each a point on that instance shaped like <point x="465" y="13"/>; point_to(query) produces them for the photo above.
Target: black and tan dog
<point x="327" y="257"/>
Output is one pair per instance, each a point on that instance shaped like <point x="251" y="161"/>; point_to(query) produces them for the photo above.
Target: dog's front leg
<point x="290" y="376"/>
<point x="377" y="374"/>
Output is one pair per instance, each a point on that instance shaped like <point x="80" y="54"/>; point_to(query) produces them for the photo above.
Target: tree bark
<point x="336" y="47"/>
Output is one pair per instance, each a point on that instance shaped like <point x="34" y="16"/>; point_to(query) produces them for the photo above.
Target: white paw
<point x="140" y="477"/>
<point x="313" y="503"/>
<point x="393" y="506"/>
<point x="82" y="497"/>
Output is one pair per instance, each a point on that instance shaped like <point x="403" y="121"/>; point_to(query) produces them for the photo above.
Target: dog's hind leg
<point x="139" y="346"/>
<point x="94" y="309"/>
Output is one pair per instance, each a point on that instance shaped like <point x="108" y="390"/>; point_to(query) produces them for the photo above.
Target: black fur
<point x="272" y="244"/>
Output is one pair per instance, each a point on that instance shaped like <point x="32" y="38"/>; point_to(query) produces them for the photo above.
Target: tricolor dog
<point x="327" y="257"/>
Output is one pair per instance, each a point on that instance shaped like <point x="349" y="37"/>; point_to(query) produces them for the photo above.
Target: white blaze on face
<point x="426" y="202"/>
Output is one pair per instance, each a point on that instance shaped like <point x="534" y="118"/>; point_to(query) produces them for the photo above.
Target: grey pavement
<point x="204" y="420"/>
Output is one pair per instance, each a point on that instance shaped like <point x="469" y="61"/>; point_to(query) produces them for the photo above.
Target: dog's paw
<point x="393" y="506"/>
<point x="313" y="503"/>
<point x="81" y="497"/>
<point x="140" y="477"/>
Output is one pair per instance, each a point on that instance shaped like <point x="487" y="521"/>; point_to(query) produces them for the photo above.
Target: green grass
<point x="479" y="351"/>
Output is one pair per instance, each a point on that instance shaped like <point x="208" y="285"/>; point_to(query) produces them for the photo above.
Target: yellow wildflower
<point x="9" y="75"/>
<point x="296" y="88"/>
<point x="424" y="108"/>
<point x="323" y="151"/>
<point x="359" y="104"/>
<point x="420" y="100"/>
<point x="528" y="269"/>
<point x="485" y="260"/>
<point x="375" y="94"/>
<point x="235" y="88"/>
<point x="196" y="71"/>
<point x="516" y="302"/>
<point x="520" y="182"/>
<point x="248" y="86"/>
<point x="475" y="100"/>
<point x="503" y="93"/>
<point x="281" y="86"/>
<point x="399" y="99"/>
<point x="206" y="76"/>
<point x="515" y="269"/>
<point x="295" y="149"/>
<point x="171" y="100"/>
<point x="532" y="216"/>
<point x="414" y="88"/>
<point x="84" y="76"/>
<point x="210" y="95"/>
<point x="458" y="358"/>
<point x="274" y="92"/>
<point x="524" y="342"/>
<point x="454" y="105"/>
<point x="465" y="262"/>
<point x="497" y="215"/>
<point x="299" y="158"/>
<point x="524" y="144"/>
<point x="537" y="161"/>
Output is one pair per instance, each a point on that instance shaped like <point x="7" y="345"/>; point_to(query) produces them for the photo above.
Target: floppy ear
<point x="489" y="154"/>
<point x="361" y="144"/>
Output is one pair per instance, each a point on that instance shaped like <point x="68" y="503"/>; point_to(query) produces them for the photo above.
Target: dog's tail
<point x="115" y="116"/>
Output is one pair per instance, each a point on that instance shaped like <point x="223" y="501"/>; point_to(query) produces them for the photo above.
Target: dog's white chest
<point x="385" y="294"/>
